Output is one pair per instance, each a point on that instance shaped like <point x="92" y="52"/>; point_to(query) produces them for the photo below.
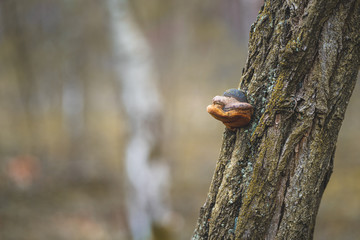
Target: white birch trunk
<point x="147" y="177"/>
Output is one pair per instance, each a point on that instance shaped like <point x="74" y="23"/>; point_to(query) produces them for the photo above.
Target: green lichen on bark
<point x="300" y="73"/>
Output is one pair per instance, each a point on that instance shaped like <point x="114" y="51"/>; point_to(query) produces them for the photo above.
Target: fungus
<point x="232" y="109"/>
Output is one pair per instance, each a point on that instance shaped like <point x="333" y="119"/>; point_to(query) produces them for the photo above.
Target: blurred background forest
<point x="64" y="127"/>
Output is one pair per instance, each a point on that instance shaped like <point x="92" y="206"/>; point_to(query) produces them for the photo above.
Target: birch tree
<point x="301" y="70"/>
<point x="146" y="173"/>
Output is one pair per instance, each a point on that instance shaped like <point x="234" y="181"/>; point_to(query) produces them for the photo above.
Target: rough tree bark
<point x="301" y="70"/>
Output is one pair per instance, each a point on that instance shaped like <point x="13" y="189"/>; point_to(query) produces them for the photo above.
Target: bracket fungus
<point x="232" y="109"/>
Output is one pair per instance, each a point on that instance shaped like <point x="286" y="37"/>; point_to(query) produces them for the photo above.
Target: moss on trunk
<point x="301" y="70"/>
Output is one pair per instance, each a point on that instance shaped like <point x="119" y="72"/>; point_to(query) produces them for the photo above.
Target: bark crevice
<point x="302" y="65"/>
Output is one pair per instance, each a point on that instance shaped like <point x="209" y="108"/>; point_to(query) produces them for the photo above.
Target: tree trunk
<point x="300" y="73"/>
<point x="20" y="57"/>
<point x="146" y="171"/>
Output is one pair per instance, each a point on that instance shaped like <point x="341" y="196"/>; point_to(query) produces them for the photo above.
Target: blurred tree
<point x="20" y="58"/>
<point x="146" y="172"/>
<point x="301" y="70"/>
